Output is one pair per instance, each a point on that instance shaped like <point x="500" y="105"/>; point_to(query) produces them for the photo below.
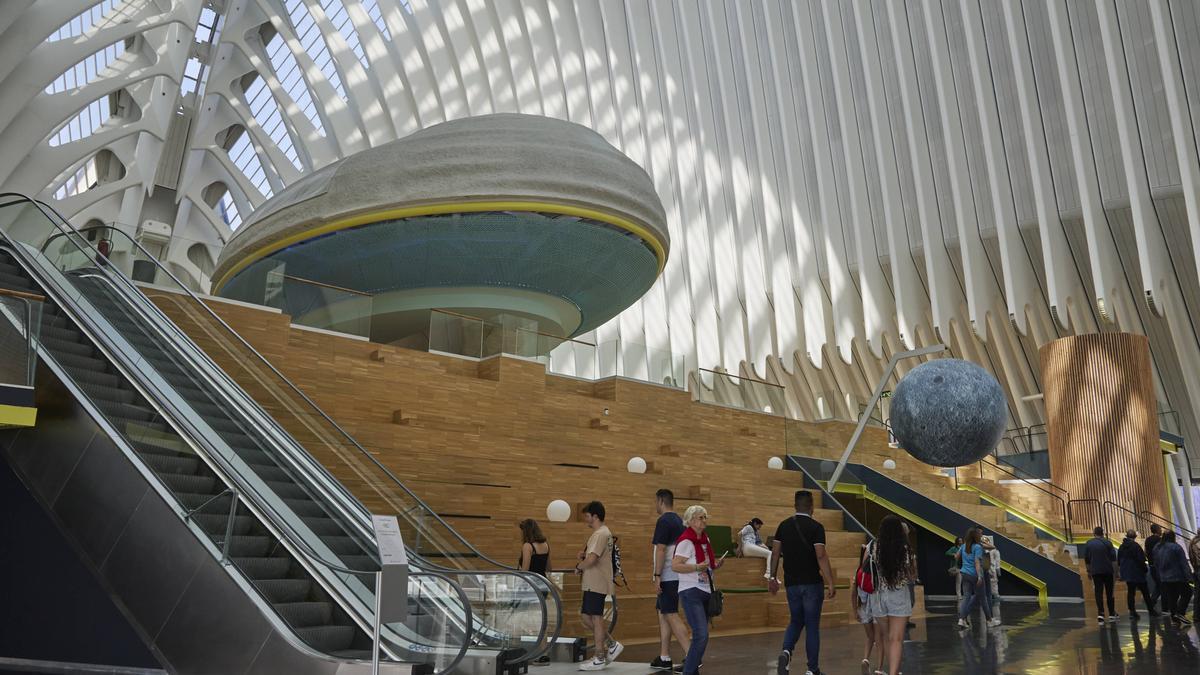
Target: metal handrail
<point x="277" y="373"/>
<point x="286" y="532"/>
<point x="534" y="581"/>
<point x="1168" y="521"/>
<point x="1085" y="500"/>
<point x="1029" y="477"/>
<point x="1063" y="502"/>
<point x="291" y="535"/>
<point x="827" y="495"/>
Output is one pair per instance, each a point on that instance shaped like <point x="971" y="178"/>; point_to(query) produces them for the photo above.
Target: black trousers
<point x="1133" y="587"/>
<point x="1103" y="585"/>
<point x="1158" y="588"/>
<point x="1176" y="596"/>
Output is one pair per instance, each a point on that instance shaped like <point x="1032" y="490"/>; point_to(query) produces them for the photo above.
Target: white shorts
<point x="891" y="602"/>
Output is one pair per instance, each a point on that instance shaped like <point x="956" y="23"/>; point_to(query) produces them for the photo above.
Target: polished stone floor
<point x="1058" y="640"/>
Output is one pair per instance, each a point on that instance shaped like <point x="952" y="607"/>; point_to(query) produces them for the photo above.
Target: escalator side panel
<point x="190" y="611"/>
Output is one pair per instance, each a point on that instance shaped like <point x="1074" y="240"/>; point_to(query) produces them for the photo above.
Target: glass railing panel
<point x="434" y="543"/>
<point x="22" y="315"/>
<point x="319" y="305"/>
<point x="720" y="388"/>
<point x="451" y="333"/>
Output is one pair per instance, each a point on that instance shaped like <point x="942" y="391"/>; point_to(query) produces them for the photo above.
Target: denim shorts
<point x="864" y="607"/>
<point x="668" y="599"/>
<point x="887" y="601"/>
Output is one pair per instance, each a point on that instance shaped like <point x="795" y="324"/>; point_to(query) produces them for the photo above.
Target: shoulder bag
<point x="716" y="599"/>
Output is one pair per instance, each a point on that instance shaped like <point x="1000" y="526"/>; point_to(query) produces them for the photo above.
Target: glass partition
<point x="741" y="392"/>
<point x="22" y="315"/>
<point x="275" y="415"/>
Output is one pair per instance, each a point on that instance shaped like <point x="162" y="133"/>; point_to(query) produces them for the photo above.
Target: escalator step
<point x="249" y="546"/>
<point x="168" y="463"/>
<point x="324" y="526"/>
<point x="180" y="482"/>
<point x="305" y="614"/>
<point x="15" y="282"/>
<point x="305" y="508"/>
<point x="360" y="563"/>
<point x="92" y="377"/>
<point x="58" y="346"/>
<point x="215" y="523"/>
<point x="272" y="473"/>
<point x="284" y="590"/>
<point x="192" y="500"/>
<point x="328" y="639"/>
<point x="131" y="412"/>
<point x="264" y="568"/>
<point x="288" y="490"/>
<point x="342" y="545"/>
<point x="74" y="362"/>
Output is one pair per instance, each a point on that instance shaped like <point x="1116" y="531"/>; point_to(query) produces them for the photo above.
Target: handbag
<point x="716" y="599"/>
<point x="863" y="578"/>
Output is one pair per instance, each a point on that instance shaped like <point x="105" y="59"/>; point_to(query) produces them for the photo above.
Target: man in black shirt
<point x="1151" y="542"/>
<point x="801" y="541"/>
<point x="666" y="580"/>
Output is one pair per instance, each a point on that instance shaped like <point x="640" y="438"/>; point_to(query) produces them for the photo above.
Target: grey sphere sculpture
<point x="948" y="412"/>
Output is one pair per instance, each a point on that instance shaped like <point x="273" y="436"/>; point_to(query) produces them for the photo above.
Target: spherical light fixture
<point x="775" y="463"/>
<point x="558" y="511"/>
<point x="889" y="464"/>
<point x="636" y="465"/>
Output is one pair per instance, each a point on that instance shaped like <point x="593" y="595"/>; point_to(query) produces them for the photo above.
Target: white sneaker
<point x="962" y="623"/>
<point x="595" y="664"/>
<point x="994" y="622"/>
<point x="614" y="650"/>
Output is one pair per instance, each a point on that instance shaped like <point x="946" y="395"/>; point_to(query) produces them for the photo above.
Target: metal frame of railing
<point x="27" y="299"/>
<point x="1062" y="501"/>
<point x="68" y="231"/>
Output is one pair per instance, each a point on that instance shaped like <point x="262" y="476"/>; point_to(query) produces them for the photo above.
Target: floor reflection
<point x="1032" y="640"/>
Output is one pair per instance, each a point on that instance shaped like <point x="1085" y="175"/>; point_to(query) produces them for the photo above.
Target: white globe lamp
<point x="775" y="463"/>
<point x="636" y="465"/>
<point x="889" y="464"/>
<point x="558" y="511"/>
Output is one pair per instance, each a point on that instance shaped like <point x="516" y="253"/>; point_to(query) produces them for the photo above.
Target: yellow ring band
<point x="644" y="234"/>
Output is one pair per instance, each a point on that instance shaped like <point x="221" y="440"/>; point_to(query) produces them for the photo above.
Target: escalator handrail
<point x="532" y="580"/>
<point x="285" y="531"/>
<point x="379" y="465"/>
<point x="536" y="582"/>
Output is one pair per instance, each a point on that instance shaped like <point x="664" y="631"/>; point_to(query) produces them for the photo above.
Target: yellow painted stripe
<point x="646" y="235"/>
<point x="1043" y="594"/>
<point x="1029" y="520"/>
<point x="17" y="416"/>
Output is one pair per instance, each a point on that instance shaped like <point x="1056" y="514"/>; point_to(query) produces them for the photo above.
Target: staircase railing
<point x="1066" y="520"/>
<point x="1072" y="503"/>
<point x="1163" y="520"/>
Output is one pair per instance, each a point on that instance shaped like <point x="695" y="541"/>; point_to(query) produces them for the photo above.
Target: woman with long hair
<point x="973" y="579"/>
<point x="860" y="602"/>
<point x="890" y="561"/>
<point x="535" y="550"/>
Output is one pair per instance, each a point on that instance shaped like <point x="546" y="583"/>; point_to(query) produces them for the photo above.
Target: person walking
<point x="1174" y="572"/>
<point x="1131" y="565"/>
<point x="750" y="545"/>
<point x="595" y="566"/>
<point x="666" y="579"/>
<point x="694" y="562"/>
<point x="953" y="554"/>
<point x="1155" y="583"/>
<point x="992" y="570"/>
<point x="800" y="543"/>
<point x="1194" y="555"/>
<point x="860" y="603"/>
<point x="1099" y="556"/>
<point x="890" y="561"/>
<point x="973" y="589"/>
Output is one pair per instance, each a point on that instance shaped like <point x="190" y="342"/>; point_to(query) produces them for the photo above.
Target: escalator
<point x="274" y="523"/>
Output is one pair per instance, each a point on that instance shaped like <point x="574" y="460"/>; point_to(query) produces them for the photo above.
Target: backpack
<point x="618" y="576"/>
<point x="863" y="578"/>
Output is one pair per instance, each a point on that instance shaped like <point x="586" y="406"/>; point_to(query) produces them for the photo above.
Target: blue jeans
<point x="972" y="594"/>
<point x="695" y="610"/>
<point x="804" y="602"/>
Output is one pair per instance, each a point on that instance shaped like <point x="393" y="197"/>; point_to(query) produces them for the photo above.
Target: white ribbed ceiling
<point x="842" y="178"/>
